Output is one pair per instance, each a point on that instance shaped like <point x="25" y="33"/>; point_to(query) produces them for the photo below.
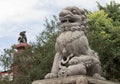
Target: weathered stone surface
<point x="73" y="80"/>
<point x="73" y="53"/>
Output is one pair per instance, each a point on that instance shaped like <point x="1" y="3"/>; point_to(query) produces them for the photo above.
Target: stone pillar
<point x="16" y="71"/>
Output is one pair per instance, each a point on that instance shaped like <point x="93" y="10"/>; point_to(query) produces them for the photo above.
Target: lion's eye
<point x="74" y="12"/>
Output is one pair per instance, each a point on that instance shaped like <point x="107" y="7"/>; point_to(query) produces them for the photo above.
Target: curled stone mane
<point x="73" y="18"/>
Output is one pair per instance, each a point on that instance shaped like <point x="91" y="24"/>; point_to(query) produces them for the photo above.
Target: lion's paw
<point x="50" y="75"/>
<point x="74" y="60"/>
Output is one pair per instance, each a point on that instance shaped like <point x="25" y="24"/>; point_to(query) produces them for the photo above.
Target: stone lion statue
<point x="73" y="54"/>
<point x="22" y="38"/>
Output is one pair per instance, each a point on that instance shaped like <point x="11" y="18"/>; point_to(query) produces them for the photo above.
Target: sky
<point x="29" y="15"/>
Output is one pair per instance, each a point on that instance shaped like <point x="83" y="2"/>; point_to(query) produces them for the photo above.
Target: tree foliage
<point x="104" y="38"/>
<point x="113" y="11"/>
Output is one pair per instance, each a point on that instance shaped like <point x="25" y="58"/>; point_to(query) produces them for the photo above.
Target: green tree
<point x="7" y="58"/>
<point x="6" y="61"/>
<point x="104" y="38"/>
<point x="45" y="48"/>
<point x="113" y="11"/>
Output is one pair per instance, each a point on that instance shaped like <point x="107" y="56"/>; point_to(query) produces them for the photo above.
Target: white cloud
<point x="81" y="3"/>
<point x="6" y="32"/>
<point x="23" y="10"/>
<point x="19" y="10"/>
<point x="59" y="4"/>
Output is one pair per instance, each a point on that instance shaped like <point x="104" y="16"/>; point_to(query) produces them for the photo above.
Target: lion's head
<point x="72" y="18"/>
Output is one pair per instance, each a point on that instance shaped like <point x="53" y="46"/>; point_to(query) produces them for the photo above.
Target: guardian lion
<point x="73" y="54"/>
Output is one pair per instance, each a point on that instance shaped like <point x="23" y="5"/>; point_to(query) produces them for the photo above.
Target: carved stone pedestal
<point x="73" y="80"/>
<point x="16" y="71"/>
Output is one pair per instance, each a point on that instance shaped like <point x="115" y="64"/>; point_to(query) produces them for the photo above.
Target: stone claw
<point x="98" y="76"/>
<point x="50" y="75"/>
<point x="74" y="60"/>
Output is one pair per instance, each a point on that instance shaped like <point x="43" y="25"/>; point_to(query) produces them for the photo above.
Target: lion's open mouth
<point x="67" y="20"/>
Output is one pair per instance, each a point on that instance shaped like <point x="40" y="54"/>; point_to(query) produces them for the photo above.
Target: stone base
<point x="73" y="80"/>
